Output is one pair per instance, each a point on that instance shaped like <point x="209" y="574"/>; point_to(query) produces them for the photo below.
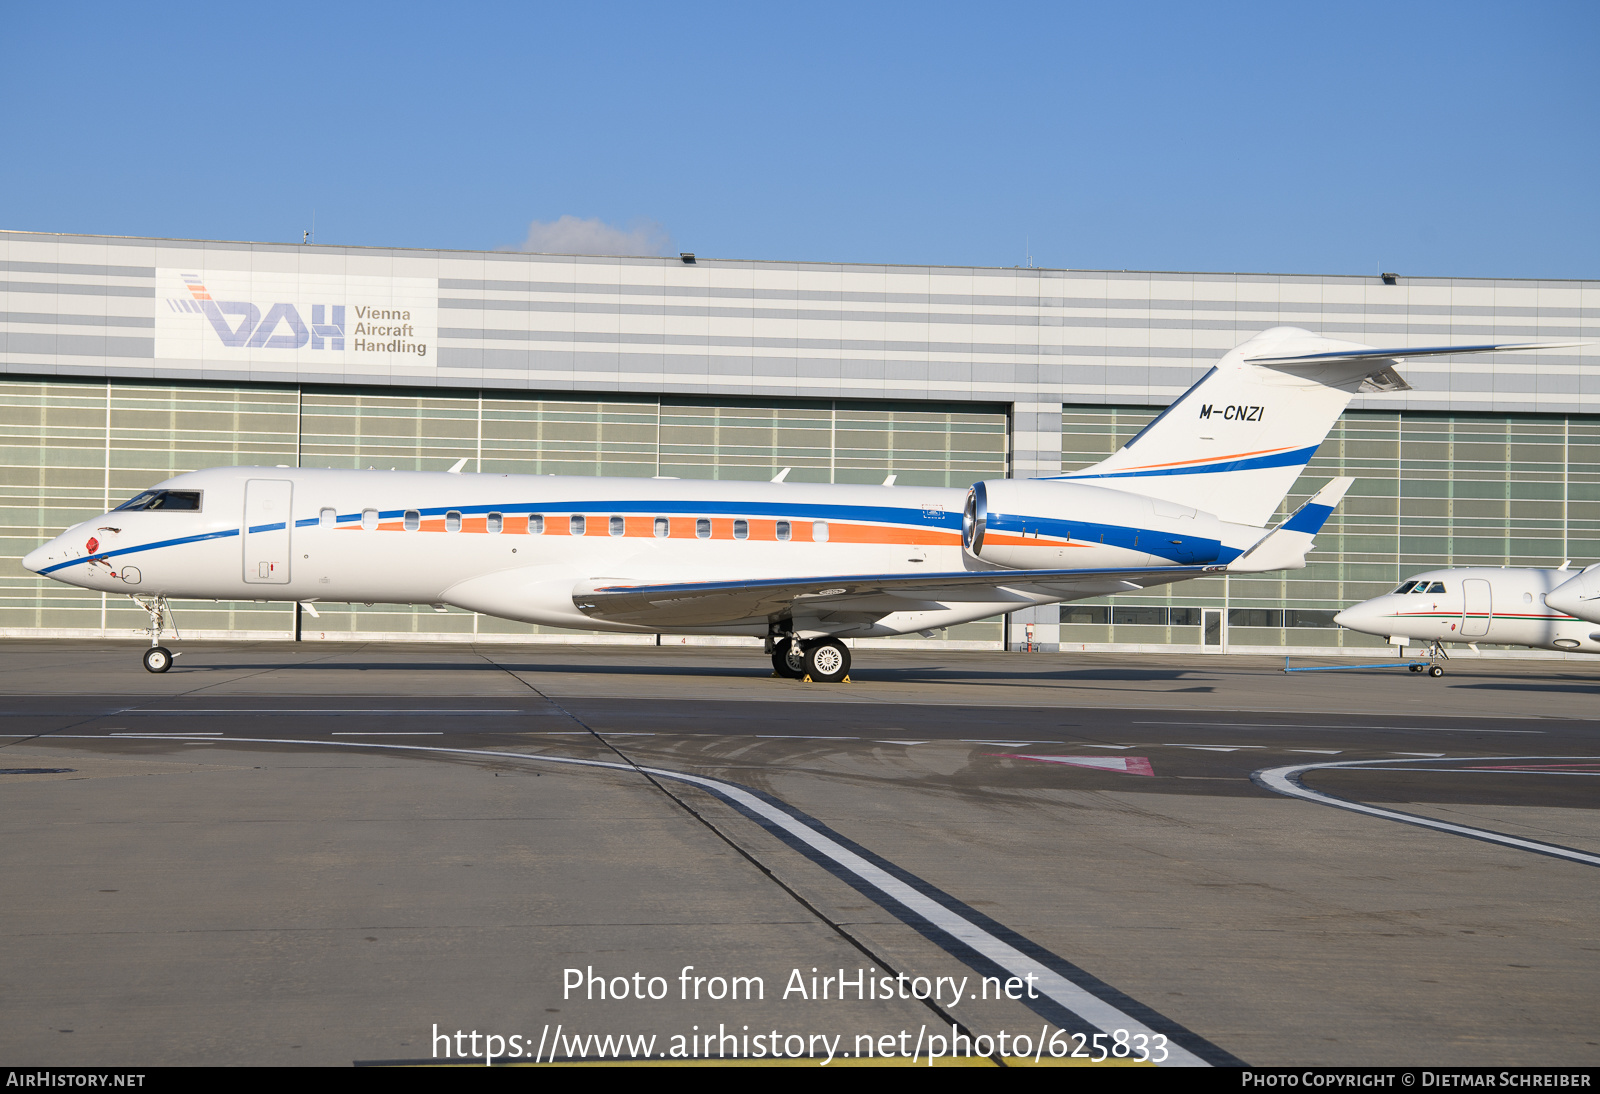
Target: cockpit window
<point x="1436" y="587"/>
<point x="1406" y="588"/>
<point x="188" y="500"/>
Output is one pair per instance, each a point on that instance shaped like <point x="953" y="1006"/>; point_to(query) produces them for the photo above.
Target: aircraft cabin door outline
<point x="1477" y="607"/>
<point x="266" y="550"/>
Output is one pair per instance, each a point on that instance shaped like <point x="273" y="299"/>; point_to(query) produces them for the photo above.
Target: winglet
<point x="1285" y="547"/>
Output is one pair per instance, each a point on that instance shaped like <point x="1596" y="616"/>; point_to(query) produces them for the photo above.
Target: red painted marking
<point x="93" y="545"/>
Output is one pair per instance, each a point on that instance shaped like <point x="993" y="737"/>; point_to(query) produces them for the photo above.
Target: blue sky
<point x="1426" y="138"/>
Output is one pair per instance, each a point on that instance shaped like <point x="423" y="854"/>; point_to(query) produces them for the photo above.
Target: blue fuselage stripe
<point x="1250" y="463"/>
<point x="101" y="555"/>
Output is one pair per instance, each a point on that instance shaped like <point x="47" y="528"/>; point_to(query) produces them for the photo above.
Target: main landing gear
<point x="157" y="658"/>
<point x="822" y="661"/>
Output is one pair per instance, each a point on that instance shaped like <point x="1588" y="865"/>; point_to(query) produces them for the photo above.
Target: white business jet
<point x="1506" y="607"/>
<point x="800" y="566"/>
<point x="1578" y="596"/>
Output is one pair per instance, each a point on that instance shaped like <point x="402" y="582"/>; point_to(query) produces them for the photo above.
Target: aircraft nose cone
<point x="37" y="559"/>
<point x="1357" y="617"/>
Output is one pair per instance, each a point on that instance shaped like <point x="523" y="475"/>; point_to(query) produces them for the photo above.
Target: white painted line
<point x="889" y="742"/>
<point x="163" y="736"/>
<point x="801" y="737"/>
<point x="1214" y="748"/>
<point x="392" y="733"/>
<point x="1424" y="755"/>
<point x="1092" y="1009"/>
<point x="1297" y="725"/>
<point x="327" y="710"/>
<point x="1101" y="746"/>
<point x="1017" y="744"/>
<point x="1285" y="781"/>
<point x="1319" y="751"/>
<point x="1486" y="770"/>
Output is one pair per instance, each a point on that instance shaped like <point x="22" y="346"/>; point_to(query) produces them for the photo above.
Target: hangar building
<point x="115" y="376"/>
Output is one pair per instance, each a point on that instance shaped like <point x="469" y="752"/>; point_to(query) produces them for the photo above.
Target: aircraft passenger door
<point x="1477" y="608"/>
<point x="267" y="524"/>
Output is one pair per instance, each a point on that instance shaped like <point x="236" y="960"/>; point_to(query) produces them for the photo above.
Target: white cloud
<point x="573" y="235"/>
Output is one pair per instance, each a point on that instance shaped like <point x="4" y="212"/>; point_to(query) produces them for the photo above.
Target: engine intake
<point x="1035" y="524"/>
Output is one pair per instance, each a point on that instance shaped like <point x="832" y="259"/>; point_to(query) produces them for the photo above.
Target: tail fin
<point x="1235" y="442"/>
<point x="1285" y="547"/>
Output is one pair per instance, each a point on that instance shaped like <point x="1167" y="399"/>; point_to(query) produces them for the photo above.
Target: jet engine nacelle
<point x="1046" y="524"/>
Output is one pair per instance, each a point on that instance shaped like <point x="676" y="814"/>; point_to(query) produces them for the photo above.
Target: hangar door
<point x="1477" y="609"/>
<point x="267" y="524"/>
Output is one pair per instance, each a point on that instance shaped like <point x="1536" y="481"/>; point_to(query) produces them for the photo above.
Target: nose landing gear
<point x="157" y="658"/>
<point x="1436" y="653"/>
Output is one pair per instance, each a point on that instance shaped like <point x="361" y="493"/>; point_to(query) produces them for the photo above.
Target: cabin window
<point x="327" y="518"/>
<point x="783" y="530"/>
<point x="575" y="524"/>
<point x="618" y="526"/>
<point x="369" y="520"/>
<point x="819" y="531"/>
<point x="536" y="524"/>
<point x="452" y="521"/>
<point x="741" y="529"/>
<point x="663" y="527"/>
<point x="1527" y="598"/>
<point x="413" y="520"/>
<point x="1406" y="588"/>
<point x="702" y="528"/>
<point x="494" y="522"/>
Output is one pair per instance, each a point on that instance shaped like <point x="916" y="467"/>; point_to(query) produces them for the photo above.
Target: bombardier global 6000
<point x="800" y="566"/>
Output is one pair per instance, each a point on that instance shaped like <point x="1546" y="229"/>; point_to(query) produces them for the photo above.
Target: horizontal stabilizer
<point x="1375" y="355"/>
<point x="1285" y="547"/>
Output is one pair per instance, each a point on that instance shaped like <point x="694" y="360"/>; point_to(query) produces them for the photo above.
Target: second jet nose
<point x="1357" y="617"/>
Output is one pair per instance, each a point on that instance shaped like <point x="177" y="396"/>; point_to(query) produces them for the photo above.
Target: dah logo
<point x="282" y="327"/>
<point x="1234" y="413"/>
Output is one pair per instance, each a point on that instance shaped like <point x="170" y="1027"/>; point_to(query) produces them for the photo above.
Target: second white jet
<point x="1504" y="607"/>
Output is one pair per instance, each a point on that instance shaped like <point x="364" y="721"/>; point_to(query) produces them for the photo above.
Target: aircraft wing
<point x="688" y="603"/>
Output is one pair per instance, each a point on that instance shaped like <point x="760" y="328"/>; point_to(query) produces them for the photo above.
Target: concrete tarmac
<point x="262" y="857"/>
